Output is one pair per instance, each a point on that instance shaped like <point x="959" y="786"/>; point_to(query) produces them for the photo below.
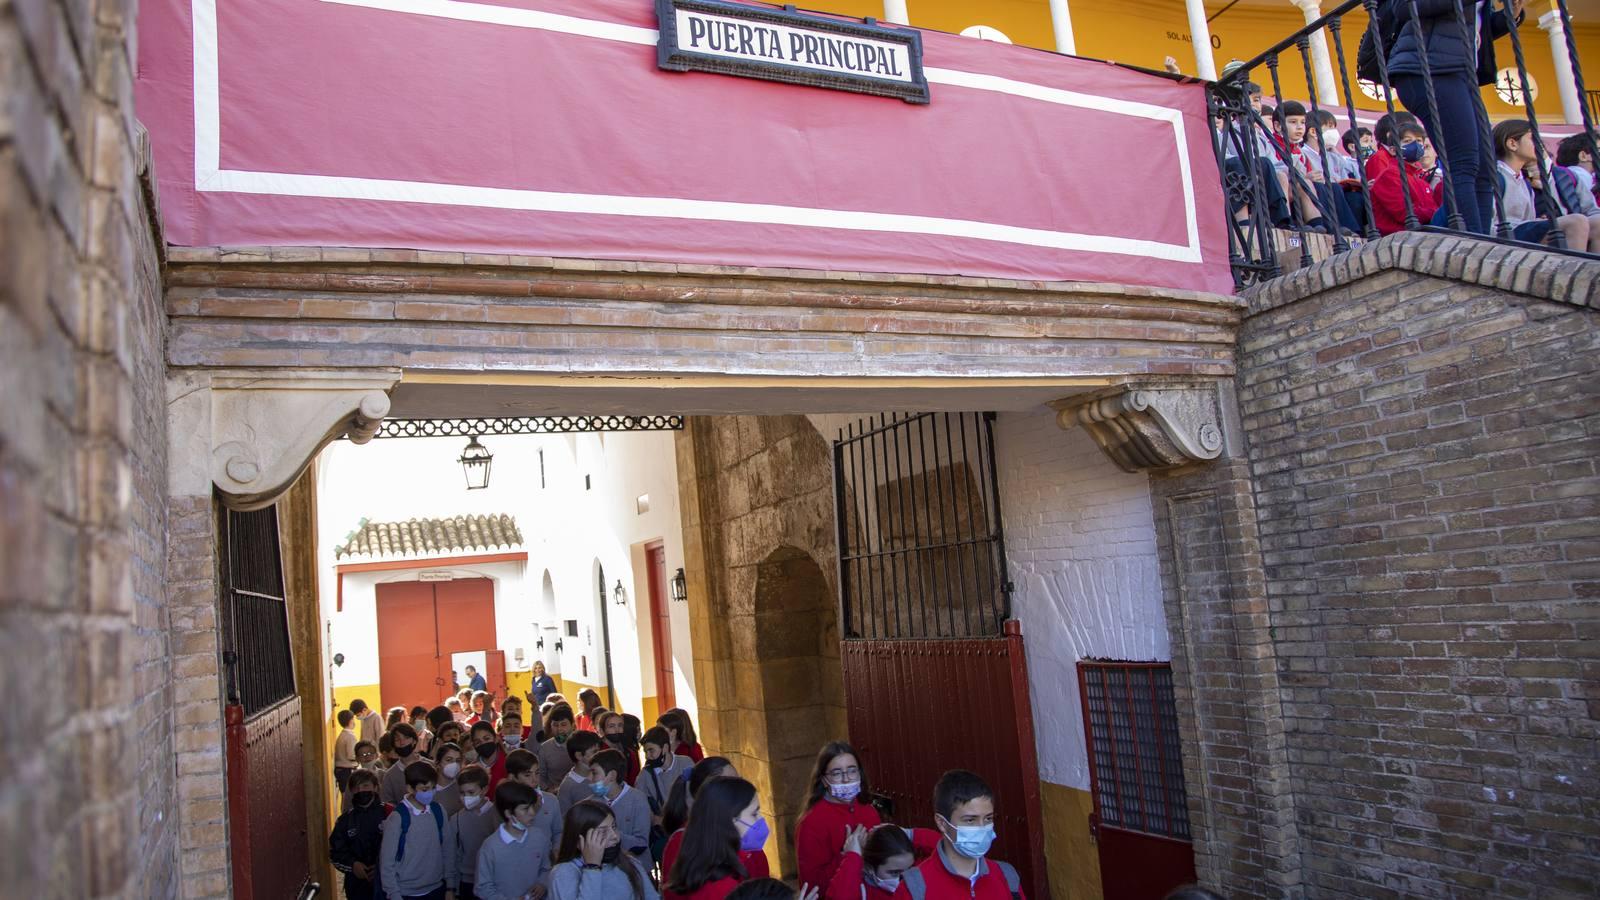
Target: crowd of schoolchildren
<point x="467" y="800"/>
<point x="1306" y="169"/>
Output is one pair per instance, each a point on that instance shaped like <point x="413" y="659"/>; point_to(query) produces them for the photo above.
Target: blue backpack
<point x="405" y="826"/>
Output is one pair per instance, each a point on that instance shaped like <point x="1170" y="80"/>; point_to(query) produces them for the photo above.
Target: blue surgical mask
<point x="973" y="841"/>
<point x="424" y="797"/>
<point x="755" y="837"/>
<point x="846" y="792"/>
<point x="599" y="789"/>
<point x="1411" y="151"/>
<point x="885" y="884"/>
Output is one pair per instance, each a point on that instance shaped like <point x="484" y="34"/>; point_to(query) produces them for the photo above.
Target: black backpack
<point x="1380" y="36"/>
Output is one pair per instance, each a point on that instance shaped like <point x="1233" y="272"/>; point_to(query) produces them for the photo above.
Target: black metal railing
<point x="257" y="660"/>
<point x="921" y="548"/>
<point x="1274" y="189"/>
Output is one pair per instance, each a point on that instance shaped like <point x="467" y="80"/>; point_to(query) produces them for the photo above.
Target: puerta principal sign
<point x="784" y="45"/>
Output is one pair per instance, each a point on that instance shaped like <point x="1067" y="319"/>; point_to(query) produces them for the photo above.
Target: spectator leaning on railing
<point x="1525" y="195"/>
<point x="1459" y="63"/>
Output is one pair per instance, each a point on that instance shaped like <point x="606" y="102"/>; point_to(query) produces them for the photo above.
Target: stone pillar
<point x="1200" y="34"/>
<point x="1061" y="24"/>
<point x="1566" y="84"/>
<point x="1321" y="63"/>
<point x="895" y="11"/>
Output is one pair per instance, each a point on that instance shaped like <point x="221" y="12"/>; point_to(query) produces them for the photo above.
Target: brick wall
<point x="1423" y="419"/>
<point x="89" y="808"/>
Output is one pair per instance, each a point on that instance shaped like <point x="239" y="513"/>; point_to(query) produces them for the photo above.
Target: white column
<point x="1321" y="62"/>
<point x="1205" y="65"/>
<point x="1571" y="103"/>
<point x="1061" y="23"/>
<point x="895" y="11"/>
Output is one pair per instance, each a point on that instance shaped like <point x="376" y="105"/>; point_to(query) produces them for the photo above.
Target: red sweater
<point x="943" y="884"/>
<point x="847" y="883"/>
<point x="1388" y="202"/>
<point x="819" y="838"/>
<point x="692" y="751"/>
<point x="714" y="890"/>
<point x="755" y="861"/>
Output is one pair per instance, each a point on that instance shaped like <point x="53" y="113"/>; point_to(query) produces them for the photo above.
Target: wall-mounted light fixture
<point x="538" y="642"/>
<point x="680" y="588"/>
<point x="620" y="594"/>
<point x="558" y="645"/>
<point x="475" y="461"/>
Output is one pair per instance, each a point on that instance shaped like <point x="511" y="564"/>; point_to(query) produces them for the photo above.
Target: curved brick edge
<point x="1527" y="271"/>
<point x="327" y="258"/>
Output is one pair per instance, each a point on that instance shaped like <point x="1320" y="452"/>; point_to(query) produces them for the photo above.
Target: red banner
<point x="546" y="128"/>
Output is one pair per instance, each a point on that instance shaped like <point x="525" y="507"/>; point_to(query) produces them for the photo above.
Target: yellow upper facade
<point x="1145" y="32"/>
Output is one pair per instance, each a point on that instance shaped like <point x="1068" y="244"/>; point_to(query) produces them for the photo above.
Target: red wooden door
<point x="420" y="624"/>
<point x="660" y="625"/>
<point x="1141" y="813"/>
<point x="495" y="672"/>
<point x="408" y="647"/>
<point x="900" y="697"/>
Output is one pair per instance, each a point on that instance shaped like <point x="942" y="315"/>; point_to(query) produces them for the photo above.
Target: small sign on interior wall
<point x="642" y="503"/>
<point x="785" y="45"/>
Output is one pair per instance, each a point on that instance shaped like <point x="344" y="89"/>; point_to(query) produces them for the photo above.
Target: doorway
<point x="655" y="556"/>
<point x="422" y="625"/>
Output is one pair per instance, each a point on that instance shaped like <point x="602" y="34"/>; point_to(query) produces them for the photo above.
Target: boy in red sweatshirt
<point x="1383" y="179"/>
<point x="960" y="869"/>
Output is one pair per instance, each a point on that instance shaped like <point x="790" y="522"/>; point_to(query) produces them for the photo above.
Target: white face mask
<point x="473" y="801"/>
<point x="451" y="770"/>
<point x="1330" y="139"/>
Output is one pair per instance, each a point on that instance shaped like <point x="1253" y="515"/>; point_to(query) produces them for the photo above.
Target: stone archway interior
<point x="797" y="649"/>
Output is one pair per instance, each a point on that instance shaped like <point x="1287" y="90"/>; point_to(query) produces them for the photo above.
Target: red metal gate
<point x="925" y="606"/>
<point x="909" y="706"/>
<point x="265" y="770"/>
<point x="1141" y="812"/>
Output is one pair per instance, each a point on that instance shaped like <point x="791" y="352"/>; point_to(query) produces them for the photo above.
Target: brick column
<point x="1225" y="679"/>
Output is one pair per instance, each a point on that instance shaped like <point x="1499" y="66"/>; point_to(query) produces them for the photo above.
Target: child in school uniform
<point x="837" y="811"/>
<point x="676" y="817"/>
<point x="874" y="863"/>
<point x="523" y="768"/>
<point x="590" y="861"/>
<point x="684" y="742"/>
<point x="411" y="860"/>
<point x="466" y="831"/>
<point x="515" y="858"/>
<point x="960" y="868"/>
<point x="344" y="750"/>
<point x="488" y="752"/>
<point x="608" y="779"/>
<point x="357" y="835"/>
<point x="554" y="763"/>
<point x="407" y="750"/>
<point x="724" y="824"/>
<point x="581" y="749"/>
<point x="448" y="793"/>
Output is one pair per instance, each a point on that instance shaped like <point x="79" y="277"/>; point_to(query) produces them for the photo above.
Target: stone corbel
<point x="1150" y="428"/>
<point x="265" y="427"/>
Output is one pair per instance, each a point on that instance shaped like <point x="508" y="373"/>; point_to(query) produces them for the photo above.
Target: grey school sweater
<point x="511" y="863"/>
<point x="657" y="783"/>
<point x="571" y="881"/>
<point x="392" y="785"/>
<point x="422" y="868"/>
<point x="573" y="791"/>
<point x="549" y="817"/>
<point x="449" y="797"/>
<point x="632" y="812"/>
<point x="462" y="836"/>
<point x="554" y="764"/>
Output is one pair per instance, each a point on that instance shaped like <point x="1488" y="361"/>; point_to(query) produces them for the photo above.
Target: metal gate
<point x="1141" y="811"/>
<point x="266" y="777"/>
<point x="925" y="616"/>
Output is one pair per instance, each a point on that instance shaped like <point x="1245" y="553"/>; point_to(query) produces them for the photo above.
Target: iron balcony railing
<point x="1265" y="199"/>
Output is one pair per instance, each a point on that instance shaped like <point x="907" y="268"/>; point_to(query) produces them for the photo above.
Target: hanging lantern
<point x="680" y="588"/>
<point x="475" y="461"/>
<point x="619" y="594"/>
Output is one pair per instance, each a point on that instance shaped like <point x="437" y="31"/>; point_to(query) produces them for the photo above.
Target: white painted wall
<point x="1081" y="546"/>
<point x="568" y="529"/>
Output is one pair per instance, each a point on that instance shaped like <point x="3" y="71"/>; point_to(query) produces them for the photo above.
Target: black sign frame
<point x="671" y="56"/>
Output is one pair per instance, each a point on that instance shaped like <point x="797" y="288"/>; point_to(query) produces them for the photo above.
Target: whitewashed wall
<point x="1080" y="542"/>
<point x="568" y="529"/>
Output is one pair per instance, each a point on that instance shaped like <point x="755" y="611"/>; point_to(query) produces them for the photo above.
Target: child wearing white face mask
<point x="448" y="795"/>
<point x="874" y="864"/>
<point x="467" y="830"/>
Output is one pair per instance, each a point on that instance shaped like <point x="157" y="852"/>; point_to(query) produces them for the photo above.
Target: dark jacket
<point x="357" y="837"/>
<point x="1450" y="50"/>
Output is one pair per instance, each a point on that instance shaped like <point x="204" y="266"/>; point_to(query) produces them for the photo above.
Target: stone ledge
<point x="1526" y="271"/>
<point x="187" y="266"/>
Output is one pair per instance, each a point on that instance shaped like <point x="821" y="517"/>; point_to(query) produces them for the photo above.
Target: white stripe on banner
<point x="209" y="176"/>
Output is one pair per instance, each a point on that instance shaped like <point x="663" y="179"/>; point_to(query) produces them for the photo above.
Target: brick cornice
<point x="1524" y="271"/>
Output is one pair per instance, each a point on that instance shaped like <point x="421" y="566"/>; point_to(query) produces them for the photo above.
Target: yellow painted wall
<point x="1071" y="856"/>
<point x="1144" y="32"/>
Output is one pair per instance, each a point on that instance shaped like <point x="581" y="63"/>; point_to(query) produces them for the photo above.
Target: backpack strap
<point x="438" y="819"/>
<point x="1013" y="881"/>
<point x="914" y="885"/>
<point x="405" y="826"/>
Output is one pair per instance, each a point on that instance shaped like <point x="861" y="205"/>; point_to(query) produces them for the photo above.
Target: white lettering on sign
<point x="769" y="42"/>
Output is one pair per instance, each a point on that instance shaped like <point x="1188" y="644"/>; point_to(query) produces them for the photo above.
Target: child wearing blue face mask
<point x="576" y="787"/>
<point x="629" y="807"/>
<point x="411" y="860"/>
<point x="960" y="869"/>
